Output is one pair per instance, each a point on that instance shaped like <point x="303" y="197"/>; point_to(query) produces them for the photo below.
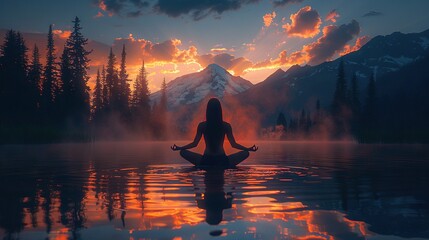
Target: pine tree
<point x="97" y="101"/>
<point x="308" y="122"/>
<point x="293" y="125"/>
<point x="317" y="117"/>
<point x="105" y="89"/>
<point x="35" y="77"/>
<point x="161" y="113"/>
<point x="355" y="105"/>
<point x="370" y="98"/>
<point x="163" y="101"/>
<point x="135" y="98"/>
<point x="144" y="93"/>
<point x="340" y="94"/>
<point x="112" y="82"/>
<point x="50" y="78"/>
<point x="140" y="99"/>
<point x="14" y="84"/>
<point x="124" y="86"/>
<point x="65" y="95"/>
<point x="354" y="96"/>
<point x="154" y="109"/>
<point x="340" y="103"/>
<point x="79" y="65"/>
<point x="370" y="111"/>
<point x="302" y="120"/>
<point x="281" y="121"/>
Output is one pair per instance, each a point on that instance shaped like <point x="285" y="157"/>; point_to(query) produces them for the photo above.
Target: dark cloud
<point x="227" y="61"/>
<point x="134" y="13"/>
<point x="127" y="8"/>
<point x="279" y="3"/>
<point x="164" y="51"/>
<point x="140" y="3"/>
<point x="198" y="9"/>
<point x="372" y="14"/>
<point x="333" y="41"/>
<point x="305" y="23"/>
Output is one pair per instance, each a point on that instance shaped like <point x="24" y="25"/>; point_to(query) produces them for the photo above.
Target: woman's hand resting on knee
<point x="176" y="148"/>
<point x="253" y="148"/>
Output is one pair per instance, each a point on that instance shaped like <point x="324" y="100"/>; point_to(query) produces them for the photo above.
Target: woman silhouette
<point x="214" y="130"/>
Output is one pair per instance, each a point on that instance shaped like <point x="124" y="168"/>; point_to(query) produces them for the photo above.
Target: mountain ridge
<point x="213" y="81"/>
<point x="301" y="86"/>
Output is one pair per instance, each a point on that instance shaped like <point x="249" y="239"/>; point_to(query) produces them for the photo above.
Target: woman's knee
<point x="183" y="153"/>
<point x="245" y="153"/>
<point x="240" y="155"/>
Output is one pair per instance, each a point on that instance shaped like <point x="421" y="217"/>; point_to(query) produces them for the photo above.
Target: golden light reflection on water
<point x="295" y="191"/>
<point x="142" y="202"/>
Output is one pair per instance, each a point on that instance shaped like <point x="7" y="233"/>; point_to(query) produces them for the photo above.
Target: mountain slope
<point x="403" y="103"/>
<point x="213" y="81"/>
<point x="300" y="87"/>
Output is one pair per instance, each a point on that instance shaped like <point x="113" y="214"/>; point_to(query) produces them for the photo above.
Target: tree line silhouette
<point x="345" y="117"/>
<point x="52" y="101"/>
<point x="349" y="115"/>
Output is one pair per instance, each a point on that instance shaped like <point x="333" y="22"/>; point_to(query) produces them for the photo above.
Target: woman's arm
<point x="194" y="143"/>
<point x="234" y="144"/>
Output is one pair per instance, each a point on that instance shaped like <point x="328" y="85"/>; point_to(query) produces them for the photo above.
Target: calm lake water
<point x="145" y="191"/>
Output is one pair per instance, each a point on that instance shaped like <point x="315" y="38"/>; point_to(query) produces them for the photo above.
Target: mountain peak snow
<point x="215" y="68"/>
<point x="213" y="81"/>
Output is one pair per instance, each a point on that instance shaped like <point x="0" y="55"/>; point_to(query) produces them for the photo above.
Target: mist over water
<point x="286" y="190"/>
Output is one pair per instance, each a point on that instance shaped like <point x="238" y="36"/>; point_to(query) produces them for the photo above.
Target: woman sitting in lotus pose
<point x="214" y="130"/>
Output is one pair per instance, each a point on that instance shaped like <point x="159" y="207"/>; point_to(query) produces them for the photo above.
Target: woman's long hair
<point x="214" y="113"/>
<point x="214" y="123"/>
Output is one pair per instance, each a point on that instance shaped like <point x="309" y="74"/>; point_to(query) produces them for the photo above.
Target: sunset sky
<point x="250" y="38"/>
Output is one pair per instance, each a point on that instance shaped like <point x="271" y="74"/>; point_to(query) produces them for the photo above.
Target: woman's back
<point x="214" y="136"/>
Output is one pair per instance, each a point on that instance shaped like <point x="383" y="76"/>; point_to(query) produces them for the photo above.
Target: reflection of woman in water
<point x="214" y="200"/>
<point x="214" y="130"/>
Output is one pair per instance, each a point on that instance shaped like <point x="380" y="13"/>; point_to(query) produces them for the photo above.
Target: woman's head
<point x="214" y="111"/>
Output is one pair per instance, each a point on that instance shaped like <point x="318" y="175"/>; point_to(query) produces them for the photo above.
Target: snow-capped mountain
<point x="213" y="81"/>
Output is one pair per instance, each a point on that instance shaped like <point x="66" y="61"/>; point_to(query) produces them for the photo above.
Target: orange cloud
<point x="268" y="18"/>
<point x="227" y="61"/>
<point x="282" y="60"/>
<point x="218" y="50"/>
<point x="168" y="51"/>
<point x="62" y="33"/>
<point x="102" y="5"/>
<point x="250" y="46"/>
<point x="359" y="43"/>
<point x="99" y="15"/>
<point x="305" y="23"/>
<point x="332" y="16"/>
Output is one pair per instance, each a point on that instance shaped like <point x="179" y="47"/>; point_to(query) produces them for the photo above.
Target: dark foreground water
<point x="145" y="191"/>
